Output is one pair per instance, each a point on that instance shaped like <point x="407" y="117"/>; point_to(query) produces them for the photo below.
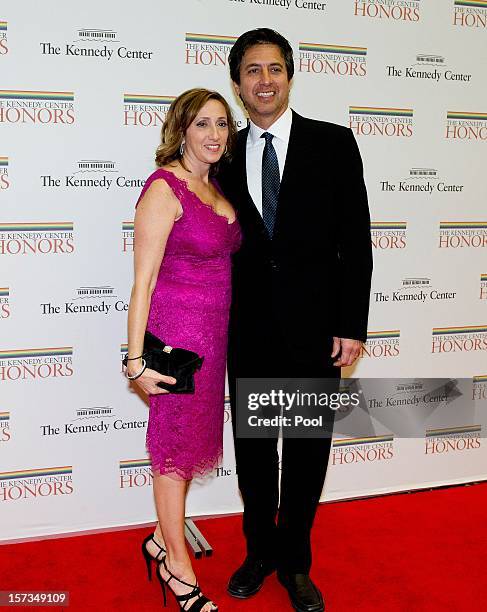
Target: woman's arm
<point x="154" y="220"/>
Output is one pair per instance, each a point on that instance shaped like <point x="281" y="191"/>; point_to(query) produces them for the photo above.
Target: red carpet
<point x="418" y="552"/>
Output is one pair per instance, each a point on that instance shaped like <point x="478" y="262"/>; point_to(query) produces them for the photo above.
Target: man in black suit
<point x="301" y="285"/>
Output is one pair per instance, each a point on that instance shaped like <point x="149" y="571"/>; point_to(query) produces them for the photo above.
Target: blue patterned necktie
<point x="270" y="183"/>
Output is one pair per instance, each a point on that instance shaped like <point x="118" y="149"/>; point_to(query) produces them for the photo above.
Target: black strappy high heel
<point x="195" y="592"/>
<point x="148" y="557"/>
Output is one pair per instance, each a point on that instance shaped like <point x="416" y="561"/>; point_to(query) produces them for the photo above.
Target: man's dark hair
<point x="260" y="36"/>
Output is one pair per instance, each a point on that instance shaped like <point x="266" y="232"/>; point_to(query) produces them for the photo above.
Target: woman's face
<point x="206" y="137"/>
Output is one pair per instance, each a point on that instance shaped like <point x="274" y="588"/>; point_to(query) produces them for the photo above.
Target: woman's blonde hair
<point x="180" y="115"/>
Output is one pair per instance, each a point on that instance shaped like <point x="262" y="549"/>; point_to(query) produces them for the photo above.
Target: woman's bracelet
<point x="126" y="359"/>
<point x="144" y="365"/>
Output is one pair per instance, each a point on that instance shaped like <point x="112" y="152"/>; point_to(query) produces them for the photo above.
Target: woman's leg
<point x="170" y="499"/>
<point x="158" y="537"/>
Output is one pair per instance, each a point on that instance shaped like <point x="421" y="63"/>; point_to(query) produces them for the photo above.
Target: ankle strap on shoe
<point x="162" y="551"/>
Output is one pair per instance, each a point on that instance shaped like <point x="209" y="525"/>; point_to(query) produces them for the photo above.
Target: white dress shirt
<point x="280" y="129"/>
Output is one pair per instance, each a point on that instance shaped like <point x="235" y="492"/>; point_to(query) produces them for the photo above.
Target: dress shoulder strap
<point x="177" y="185"/>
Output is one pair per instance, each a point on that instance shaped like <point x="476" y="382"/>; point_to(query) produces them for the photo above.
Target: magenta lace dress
<point x="189" y="309"/>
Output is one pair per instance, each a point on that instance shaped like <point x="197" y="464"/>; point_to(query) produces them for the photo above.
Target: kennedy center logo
<point x="332" y="59"/>
<point x="388" y="235"/>
<point x="470" y="13"/>
<point x="207" y="49"/>
<point x="381" y="344"/>
<point x="36" y="238"/>
<point x="3" y="38"/>
<point x="91" y="420"/>
<point x="4" y="179"/>
<point x="36" y="363"/>
<point x="428" y="67"/>
<point x="135" y="473"/>
<point x="466" y="126"/>
<point x="4" y="303"/>
<point x="91" y="174"/>
<point x="459" y="339"/>
<point x="417" y="290"/>
<point x="421" y="180"/>
<point x="144" y="110"/>
<point x="95" y="43"/>
<point x="97" y="299"/>
<point x="284" y="5"/>
<point x="41" y="482"/>
<point x="37" y="107"/>
<point x="452" y="439"/>
<point x="462" y="234"/>
<point x="396" y="10"/>
<point x="362" y="450"/>
<point x="5" y="432"/>
<point x="377" y="121"/>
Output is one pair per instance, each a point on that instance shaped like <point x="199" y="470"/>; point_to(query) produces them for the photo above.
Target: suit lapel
<point x="239" y="166"/>
<point x="246" y="206"/>
<point x="296" y="154"/>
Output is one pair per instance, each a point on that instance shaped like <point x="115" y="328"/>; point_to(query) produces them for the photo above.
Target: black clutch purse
<point x="179" y="363"/>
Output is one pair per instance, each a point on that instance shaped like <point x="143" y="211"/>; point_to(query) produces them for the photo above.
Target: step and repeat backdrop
<point x="84" y="89"/>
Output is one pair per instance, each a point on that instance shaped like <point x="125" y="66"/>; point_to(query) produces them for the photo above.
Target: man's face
<point x="264" y="86"/>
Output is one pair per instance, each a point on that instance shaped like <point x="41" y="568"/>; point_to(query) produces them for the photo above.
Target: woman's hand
<point x="147" y="382"/>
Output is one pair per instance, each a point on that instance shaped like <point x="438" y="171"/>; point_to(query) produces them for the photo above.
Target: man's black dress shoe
<point x="249" y="578"/>
<point x="305" y="596"/>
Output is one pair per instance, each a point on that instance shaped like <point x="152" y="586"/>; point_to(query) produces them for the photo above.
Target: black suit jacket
<point x="312" y="280"/>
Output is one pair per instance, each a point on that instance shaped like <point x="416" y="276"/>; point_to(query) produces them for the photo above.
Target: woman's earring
<point x="181" y="149"/>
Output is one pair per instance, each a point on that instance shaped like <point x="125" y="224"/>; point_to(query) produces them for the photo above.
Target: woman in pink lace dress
<point x="185" y="233"/>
